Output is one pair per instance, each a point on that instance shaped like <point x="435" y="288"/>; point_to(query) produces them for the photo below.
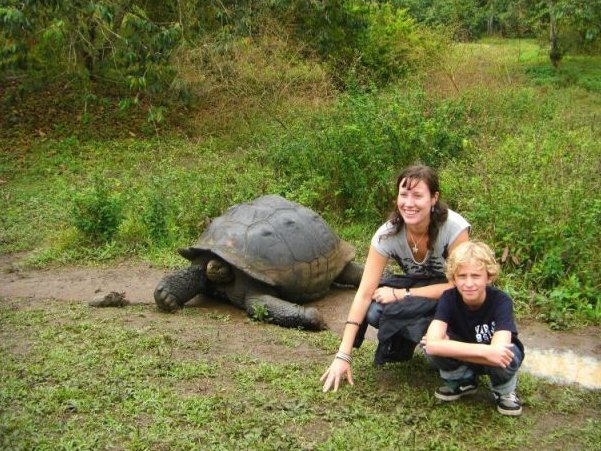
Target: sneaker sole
<point x="454" y="397"/>
<point x="511" y="413"/>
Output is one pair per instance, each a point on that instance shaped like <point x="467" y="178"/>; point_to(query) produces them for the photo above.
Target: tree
<point x="114" y="39"/>
<point x="564" y="16"/>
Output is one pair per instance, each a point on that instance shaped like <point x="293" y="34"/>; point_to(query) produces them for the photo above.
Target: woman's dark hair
<point x="410" y="177"/>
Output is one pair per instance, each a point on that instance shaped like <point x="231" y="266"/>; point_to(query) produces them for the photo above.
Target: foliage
<point x="260" y="312"/>
<point x="550" y="244"/>
<point x="155" y="215"/>
<point x="579" y="21"/>
<point x="466" y="17"/>
<point x="79" y="41"/>
<point x="388" y="42"/>
<point x="97" y="210"/>
<point x="239" y="82"/>
<point x="373" y="39"/>
<point x="581" y="71"/>
<point x="566" y="26"/>
<point x="327" y="163"/>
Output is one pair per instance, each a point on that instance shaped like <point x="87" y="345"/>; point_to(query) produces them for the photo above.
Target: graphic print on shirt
<point x="432" y="267"/>
<point x="484" y="332"/>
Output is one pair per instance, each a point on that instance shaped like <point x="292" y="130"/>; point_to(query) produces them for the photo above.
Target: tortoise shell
<point x="278" y="242"/>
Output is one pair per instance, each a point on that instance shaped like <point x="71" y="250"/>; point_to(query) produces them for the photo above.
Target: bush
<point x="97" y="211"/>
<point x="376" y="40"/>
<point x="155" y="215"/>
<point x="345" y="161"/>
<point x="391" y="44"/>
<point x="532" y="197"/>
<point x="75" y="41"/>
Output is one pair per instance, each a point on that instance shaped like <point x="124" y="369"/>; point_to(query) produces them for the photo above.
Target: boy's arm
<point x="495" y="354"/>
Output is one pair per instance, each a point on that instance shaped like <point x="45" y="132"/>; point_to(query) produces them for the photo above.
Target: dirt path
<point x="138" y="282"/>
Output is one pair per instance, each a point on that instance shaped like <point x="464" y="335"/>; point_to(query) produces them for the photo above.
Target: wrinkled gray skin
<point x="266" y="257"/>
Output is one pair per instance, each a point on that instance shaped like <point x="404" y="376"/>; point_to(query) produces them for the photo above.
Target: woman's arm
<point x="387" y="295"/>
<point x="497" y="353"/>
<point x="374" y="267"/>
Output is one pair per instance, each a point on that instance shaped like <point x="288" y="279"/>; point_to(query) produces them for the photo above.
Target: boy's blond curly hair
<point x="472" y="252"/>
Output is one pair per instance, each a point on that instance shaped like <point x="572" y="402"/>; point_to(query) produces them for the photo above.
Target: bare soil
<point x="138" y="281"/>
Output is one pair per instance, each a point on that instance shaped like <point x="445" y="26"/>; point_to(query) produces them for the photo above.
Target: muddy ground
<point x="138" y="282"/>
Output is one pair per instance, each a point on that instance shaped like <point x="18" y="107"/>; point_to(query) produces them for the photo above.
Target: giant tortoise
<point x="266" y="256"/>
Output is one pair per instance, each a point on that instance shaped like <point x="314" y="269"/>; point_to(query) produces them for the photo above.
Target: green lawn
<point x="74" y="377"/>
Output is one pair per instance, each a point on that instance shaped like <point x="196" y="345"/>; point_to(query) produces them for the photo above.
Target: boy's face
<point x="471" y="280"/>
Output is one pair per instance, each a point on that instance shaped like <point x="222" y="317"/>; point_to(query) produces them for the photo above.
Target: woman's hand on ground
<point x="331" y="378"/>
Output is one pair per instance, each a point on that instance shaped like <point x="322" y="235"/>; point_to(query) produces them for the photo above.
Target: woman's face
<point x="415" y="201"/>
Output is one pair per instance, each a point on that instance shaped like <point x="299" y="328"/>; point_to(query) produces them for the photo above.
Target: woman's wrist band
<point x="354" y="323"/>
<point x="344" y="356"/>
<point x="394" y="294"/>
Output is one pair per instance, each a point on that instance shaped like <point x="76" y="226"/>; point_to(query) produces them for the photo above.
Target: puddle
<point x="564" y="367"/>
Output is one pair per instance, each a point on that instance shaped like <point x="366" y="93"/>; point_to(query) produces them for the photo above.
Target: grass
<point x="75" y="377"/>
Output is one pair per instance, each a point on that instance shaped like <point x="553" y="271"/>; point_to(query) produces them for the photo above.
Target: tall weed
<point x="97" y="210"/>
<point x="155" y="216"/>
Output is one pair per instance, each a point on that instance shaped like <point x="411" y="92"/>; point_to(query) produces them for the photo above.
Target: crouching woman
<point x="473" y="332"/>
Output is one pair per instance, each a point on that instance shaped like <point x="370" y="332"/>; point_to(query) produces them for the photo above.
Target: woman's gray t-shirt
<point x="395" y="246"/>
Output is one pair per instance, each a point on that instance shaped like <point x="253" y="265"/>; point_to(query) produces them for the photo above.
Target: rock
<point x="112" y="299"/>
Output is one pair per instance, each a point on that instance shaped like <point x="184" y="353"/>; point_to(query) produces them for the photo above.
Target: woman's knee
<point x="374" y="313"/>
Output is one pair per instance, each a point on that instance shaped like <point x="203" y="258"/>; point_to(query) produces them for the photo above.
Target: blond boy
<point x="473" y="332"/>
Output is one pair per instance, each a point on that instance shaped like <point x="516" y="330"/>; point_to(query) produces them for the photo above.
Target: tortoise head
<point x="219" y="271"/>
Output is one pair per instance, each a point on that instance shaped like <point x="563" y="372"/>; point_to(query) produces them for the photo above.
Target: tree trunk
<point x="490" y="25"/>
<point x="554" y="51"/>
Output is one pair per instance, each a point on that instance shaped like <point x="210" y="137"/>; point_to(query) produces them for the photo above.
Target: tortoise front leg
<point x="271" y="309"/>
<point x="177" y="288"/>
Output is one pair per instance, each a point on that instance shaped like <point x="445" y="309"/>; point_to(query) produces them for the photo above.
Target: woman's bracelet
<point x="344" y="356"/>
<point x="354" y="323"/>
<point x="394" y="294"/>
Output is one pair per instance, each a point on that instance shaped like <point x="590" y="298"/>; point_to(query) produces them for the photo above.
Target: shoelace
<point x="511" y="397"/>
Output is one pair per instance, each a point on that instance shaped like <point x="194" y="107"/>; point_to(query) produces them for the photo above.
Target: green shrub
<point x="533" y="197"/>
<point x="155" y="215"/>
<point x="392" y="44"/>
<point x="574" y="71"/>
<point x="345" y="160"/>
<point x="97" y="210"/>
<point x="377" y="41"/>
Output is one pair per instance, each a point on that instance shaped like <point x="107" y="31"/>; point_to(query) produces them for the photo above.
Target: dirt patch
<point x="138" y="282"/>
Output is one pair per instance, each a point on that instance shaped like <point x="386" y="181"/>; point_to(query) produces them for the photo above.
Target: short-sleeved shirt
<point x="395" y="245"/>
<point x="477" y="326"/>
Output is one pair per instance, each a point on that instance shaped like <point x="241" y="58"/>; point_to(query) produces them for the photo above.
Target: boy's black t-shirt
<point x="477" y="326"/>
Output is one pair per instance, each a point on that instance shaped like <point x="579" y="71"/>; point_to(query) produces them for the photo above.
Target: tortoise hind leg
<point x="177" y="288"/>
<point x="277" y="311"/>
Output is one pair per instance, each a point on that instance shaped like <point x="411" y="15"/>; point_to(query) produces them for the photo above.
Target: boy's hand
<point x="499" y="355"/>
<point x="424" y="340"/>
